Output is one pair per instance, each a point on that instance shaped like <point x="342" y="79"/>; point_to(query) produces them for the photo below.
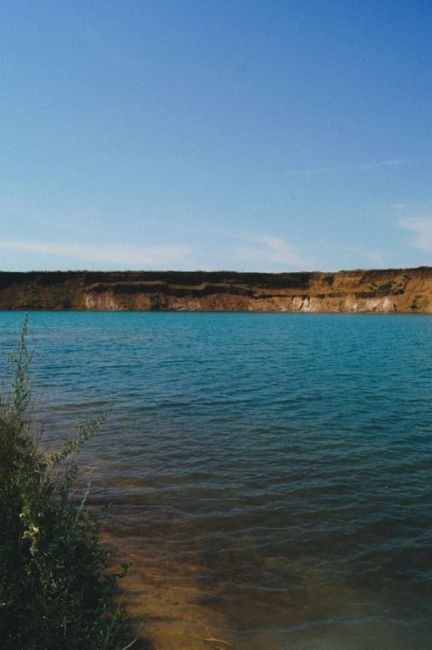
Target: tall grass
<point x="56" y="587"/>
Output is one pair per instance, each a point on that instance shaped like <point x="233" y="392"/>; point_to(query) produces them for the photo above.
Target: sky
<point x="249" y="135"/>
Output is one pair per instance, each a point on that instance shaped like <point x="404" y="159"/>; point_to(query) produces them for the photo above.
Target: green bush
<point x="56" y="587"/>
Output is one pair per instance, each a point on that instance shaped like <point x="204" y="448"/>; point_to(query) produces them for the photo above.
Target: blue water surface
<point x="288" y="457"/>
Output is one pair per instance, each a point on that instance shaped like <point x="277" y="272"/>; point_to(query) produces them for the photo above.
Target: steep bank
<point x="392" y="290"/>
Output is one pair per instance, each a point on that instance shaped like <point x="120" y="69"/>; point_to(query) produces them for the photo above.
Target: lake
<point x="269" y="475"/>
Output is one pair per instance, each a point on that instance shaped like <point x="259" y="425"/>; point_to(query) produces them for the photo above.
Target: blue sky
<point x="207" y="134"/>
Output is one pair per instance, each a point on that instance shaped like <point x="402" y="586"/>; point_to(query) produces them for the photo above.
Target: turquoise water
<point x="287" y="457"/>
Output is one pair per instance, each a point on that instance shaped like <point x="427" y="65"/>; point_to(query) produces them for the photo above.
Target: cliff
<point x="392" y="290"/>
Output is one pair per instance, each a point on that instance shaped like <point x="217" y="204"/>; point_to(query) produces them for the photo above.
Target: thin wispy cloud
<point x="421" y="230"/>
<point x="271" y="250"/>
<point x="396" y="206"/>
<point x="17" y="208"/>
<point x="250" y="247"/>
<point x="130" y="256"/>
<point x="73" y="220"/>
<point x="368" y="166"/>
<point x="368" y="256"/>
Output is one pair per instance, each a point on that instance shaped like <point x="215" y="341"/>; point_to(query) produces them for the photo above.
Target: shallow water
<point x="269" y="474"/>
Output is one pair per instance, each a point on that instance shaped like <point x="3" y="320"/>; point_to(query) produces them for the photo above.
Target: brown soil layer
<point x="391" y="290"/>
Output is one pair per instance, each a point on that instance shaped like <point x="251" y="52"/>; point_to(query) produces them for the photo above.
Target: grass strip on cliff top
<point x="56" y="587"/>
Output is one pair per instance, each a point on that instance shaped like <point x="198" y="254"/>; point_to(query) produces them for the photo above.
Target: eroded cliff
<point x="392" y="290"/>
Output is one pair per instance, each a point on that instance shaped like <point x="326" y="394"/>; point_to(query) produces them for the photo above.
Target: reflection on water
<point x="269" y="475"/>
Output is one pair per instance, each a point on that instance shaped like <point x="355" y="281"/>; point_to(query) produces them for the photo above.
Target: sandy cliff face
<point x="394" y="290"/>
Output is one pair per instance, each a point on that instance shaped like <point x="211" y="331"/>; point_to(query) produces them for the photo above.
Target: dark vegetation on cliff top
<point x="86" y="278"/>
<point x="285" y="279"/>
<point x="57" y="585"/>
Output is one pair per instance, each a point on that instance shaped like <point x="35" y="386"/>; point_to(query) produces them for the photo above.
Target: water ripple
<point x="286" y="458"/>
